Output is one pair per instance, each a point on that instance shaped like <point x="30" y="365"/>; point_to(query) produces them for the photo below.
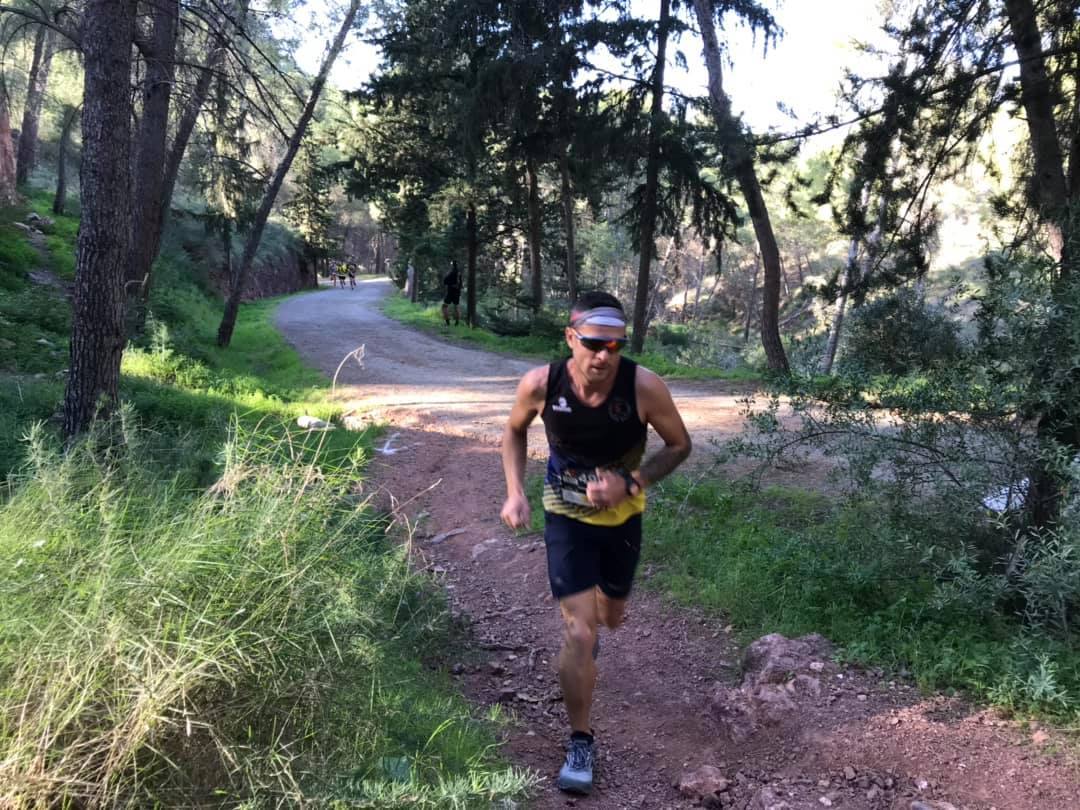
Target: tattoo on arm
<point x="661" y="463"/>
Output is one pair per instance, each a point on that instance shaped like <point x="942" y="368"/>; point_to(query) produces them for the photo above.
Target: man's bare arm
<point x="658" y="409"/>
<point x="527" y="404"/>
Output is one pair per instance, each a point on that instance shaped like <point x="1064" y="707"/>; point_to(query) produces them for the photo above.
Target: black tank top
<point x="582" y="438"/>
<point x="587" y="436"/>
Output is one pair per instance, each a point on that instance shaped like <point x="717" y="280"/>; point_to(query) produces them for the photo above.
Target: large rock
<point x="706" y="781"/>
<point x="772" y="705"/>
<point x="776" y="675"/>
<point x="733" y="713"/>
<point x="766" y="799"/>
<point x="776" y="659"/>
<point x="739" y="713"/>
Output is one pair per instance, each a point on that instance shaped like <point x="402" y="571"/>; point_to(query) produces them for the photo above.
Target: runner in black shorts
<point x="452" y="281"/>
<point x="596" y="407"/>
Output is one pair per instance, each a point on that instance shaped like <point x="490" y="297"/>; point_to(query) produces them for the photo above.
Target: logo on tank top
<point x="619" y="409"/>
<point x="561" y="406"/>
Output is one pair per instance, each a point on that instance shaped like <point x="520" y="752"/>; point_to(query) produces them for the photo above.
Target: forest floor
<point x="853" y="738"/>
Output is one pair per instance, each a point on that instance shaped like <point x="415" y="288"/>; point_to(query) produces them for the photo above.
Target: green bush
<point x="673" y="335"/>
<point x="898" y="334"/>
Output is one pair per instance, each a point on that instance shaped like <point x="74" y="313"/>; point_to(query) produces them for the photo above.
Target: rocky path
<point x="680" y="720"/>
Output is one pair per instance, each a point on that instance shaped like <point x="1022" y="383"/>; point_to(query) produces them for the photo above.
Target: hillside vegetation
<point x="205" y="606"/>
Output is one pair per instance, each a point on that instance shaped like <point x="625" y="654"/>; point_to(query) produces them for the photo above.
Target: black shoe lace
<point x="580" y="755"/>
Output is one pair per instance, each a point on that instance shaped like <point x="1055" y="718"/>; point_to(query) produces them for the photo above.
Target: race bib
<point x="573" y="485"/>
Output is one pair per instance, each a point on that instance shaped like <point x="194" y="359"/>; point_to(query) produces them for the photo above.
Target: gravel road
<point x="413" y="379"/>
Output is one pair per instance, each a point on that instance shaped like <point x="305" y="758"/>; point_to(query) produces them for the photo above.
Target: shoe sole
<point x="574" y="787"/>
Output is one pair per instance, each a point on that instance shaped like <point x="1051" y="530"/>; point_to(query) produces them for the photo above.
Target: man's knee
<point x="579" y="634"/>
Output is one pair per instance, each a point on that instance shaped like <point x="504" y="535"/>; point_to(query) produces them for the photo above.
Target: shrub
<point x="899" y="334"/>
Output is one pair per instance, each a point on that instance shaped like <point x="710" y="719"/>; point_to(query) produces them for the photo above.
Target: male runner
<point x="596" y="407"/>
<point x="452" y="282"/>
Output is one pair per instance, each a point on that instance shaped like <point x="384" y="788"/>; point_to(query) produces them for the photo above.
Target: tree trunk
<point x="742" y="166"/>
<point x="149" y="180"/>
<point x="36" y="84"/>
<point x="647" y="248"/>
<point x="184" y="128"/>
<point x="654" y="290"/>
<point x="837" y="325"/>
<point x="472" y="248"/>
<point x="568" y="225"/>
<point x="1037" y="98"/>
<point x="1057" y="424"/>
<point x="59" y="205"/>
<point x="855" y="272"/>
<point x="751" y="300"/>
<point x="700" y="282"/>
<point x="251" y="246"/>
<point x="101" y="253"/>
<point x="8" y="194"/>
<point x="226" y="250"/>
<point x="535" y="236"/>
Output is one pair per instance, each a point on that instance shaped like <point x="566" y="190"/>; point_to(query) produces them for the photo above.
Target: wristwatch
<point x="632" y="485"/>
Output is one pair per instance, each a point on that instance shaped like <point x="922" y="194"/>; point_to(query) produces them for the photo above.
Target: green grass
<point x="208" y="611"/>
<point x="792" y="562"/>
<point x="252" y="642"/>
<point x="543" y="348"/>
<point x="34" y="327"/>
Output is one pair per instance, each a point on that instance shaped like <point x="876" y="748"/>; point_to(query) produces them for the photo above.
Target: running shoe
<point x="575" y="776"/>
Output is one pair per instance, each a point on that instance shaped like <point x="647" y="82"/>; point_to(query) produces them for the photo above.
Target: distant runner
<point x="596" y="408"/>
<point x="352" y="275"/>
<point x="452" y="282"/>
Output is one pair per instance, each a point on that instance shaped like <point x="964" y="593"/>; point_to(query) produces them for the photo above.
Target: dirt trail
<point x="863" y="741"/>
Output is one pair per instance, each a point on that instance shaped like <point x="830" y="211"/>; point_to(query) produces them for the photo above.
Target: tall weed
<point x="252" y="642"/>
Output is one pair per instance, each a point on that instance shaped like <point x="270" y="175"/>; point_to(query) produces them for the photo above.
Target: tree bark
<point x="184" y="129"/>
<point x="37" y="82"/>
<point x="1037" y="97"/>
<point x="251" y="246"/>
<point x="151" y="147"/>
<point x="742" y="165"/>
<point x="568" y="225"/>
<point x="59" y="205"/>
<point x="8" y="194"/>
<point x="535" y="236"/>
<point x="751" y="300"/>
<point x="654" y="290"/>
<point x="472" y="248"/>
<point x="97" y="310"/>
<point x="853" y="272"/>
<point x="837" y="325"/>
<point x="647" y="246"/>
<point x="700" y="282"/>
<point x="1058" y="426"/>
